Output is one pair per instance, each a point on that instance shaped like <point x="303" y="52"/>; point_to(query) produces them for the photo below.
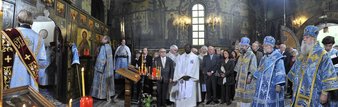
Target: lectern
<point x="130" y="74"/>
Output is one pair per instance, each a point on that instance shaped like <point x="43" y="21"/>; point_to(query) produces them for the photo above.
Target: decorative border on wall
<point x="8" y="14"/>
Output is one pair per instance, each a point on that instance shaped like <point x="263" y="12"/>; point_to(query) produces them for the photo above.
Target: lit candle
<point x="142" y="65"/>
<point x="70" y="103"/>
<point x="154" y="72"/>
<point x="139" y="70"/>
<point x="83" y="83"/>
<point x="24" y="105"/>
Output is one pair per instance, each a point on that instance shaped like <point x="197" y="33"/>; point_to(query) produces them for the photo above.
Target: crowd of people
<point x="251" y="74"/>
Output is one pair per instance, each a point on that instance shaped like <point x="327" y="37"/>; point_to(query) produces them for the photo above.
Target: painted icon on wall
<point x="97" y="26"/>
<point x="48" y="3"/>
<point x="73" y="14"/>
<point x="83" y="19"/>
<point x="91" y="24"/>
<point x="8" y="15"/>
<point x="60" y="9"/>
<point x="97" y="42"/>
<point x="83" y="42"/>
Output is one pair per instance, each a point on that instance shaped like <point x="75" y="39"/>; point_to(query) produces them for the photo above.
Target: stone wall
<point x="147" y="22"/>
<point x="311" y="10"/>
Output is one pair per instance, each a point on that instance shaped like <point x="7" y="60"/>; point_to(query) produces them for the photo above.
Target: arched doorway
<point x="288" y="37"/>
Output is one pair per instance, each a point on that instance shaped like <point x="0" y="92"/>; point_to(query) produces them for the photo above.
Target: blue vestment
<point x="20" y="76"/>
<point x="311" y="75"/>
<point x="271" y="72"/>
<point x="122" y="58"/>
<point x="245" y="67"/>
<point x="103" y="83"/>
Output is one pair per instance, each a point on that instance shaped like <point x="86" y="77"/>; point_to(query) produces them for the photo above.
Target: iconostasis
<point x="65" y="24"/>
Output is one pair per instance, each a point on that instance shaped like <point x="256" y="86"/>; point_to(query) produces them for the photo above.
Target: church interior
<point x="75" y="30"/>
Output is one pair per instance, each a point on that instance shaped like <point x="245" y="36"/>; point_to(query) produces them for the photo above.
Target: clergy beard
<point x="243" y="51"/>
<point x="306" y="48"/>
<point x="267" y="51"/>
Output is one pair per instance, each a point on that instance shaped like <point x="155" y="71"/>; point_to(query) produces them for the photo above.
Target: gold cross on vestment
<point x="314" y="57"/>
<point x="28" y="57"/>
<point x="8" y="59"/>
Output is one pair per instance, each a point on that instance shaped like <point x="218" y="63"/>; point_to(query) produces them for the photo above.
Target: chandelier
<point x="297" y="22"/>
<point x="182" y="22"/>
<point x="213" y="21"/>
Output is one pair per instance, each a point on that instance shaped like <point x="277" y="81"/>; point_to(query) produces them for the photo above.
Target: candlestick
<point x="142" y="65"/>
<point x="83" y="83"/>
<point x="159" y="72"/>
<point x="70" y="103"/>
<point x="139" y="70"/>
<point x="145" y="69"/>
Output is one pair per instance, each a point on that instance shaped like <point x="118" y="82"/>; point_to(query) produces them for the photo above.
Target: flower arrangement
<point x="146" y="99"/>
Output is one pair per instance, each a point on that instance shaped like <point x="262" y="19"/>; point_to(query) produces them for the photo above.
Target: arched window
<point x="198" y="24"/>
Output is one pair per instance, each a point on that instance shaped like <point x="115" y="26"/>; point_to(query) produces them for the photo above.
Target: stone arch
<point x="315" y="20"/>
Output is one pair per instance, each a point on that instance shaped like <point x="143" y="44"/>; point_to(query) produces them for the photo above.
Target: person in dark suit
<point x="203" y="52"/>
<point x="287" y="57"/>
<point x="147" y="60"/>
<point x="210" y="66"/>
<point x="255" y="50"/>
<point x="167" y="69"/>
<point x="134" y="62"/>
<point x="227" y="74"/>
<point x="136" y="59"/>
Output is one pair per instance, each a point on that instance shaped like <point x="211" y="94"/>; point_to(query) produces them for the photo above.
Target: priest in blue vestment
<point x="313" y="73"/>
<point x="328" y="43"/>
<point x="103" y="83"/>
<point x="245" y="68"/>
<point x="20" y="75"/>
<point x="270" y="77"/>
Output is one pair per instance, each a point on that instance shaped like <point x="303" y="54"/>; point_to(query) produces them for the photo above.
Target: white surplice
<point x="186" y="93"/>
